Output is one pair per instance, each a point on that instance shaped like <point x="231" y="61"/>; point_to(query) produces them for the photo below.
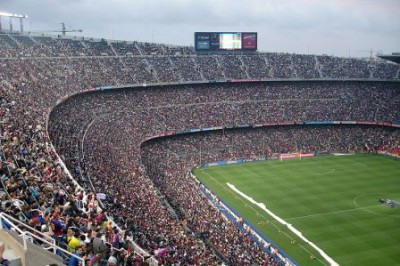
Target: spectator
<point x="74" y="261"/>
<point x="131" y="175"/>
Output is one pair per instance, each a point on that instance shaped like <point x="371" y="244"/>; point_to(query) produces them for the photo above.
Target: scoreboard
<point x="225" y="41"/>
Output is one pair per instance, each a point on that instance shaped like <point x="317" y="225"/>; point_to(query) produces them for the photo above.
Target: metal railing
<point x="30" y="234"/>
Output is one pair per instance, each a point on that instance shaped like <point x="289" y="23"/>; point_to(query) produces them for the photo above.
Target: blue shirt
<point x="73" y="261"/>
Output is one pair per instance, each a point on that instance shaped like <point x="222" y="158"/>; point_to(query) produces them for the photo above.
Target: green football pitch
<point x="332" y="200"/>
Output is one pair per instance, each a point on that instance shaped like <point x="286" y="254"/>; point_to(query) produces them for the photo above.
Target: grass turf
<point x="332" y="200"/>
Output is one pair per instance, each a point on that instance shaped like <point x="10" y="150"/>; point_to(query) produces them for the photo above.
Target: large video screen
<point x="225" y="41"/>
<point x="249" y="40"/>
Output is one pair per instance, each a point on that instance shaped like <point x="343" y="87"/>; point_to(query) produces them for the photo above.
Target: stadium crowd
<point x="163" y="63"/>
<point x="99" y="135"/>
<point x="179" y="153"/>
<point x="112" y="118"/>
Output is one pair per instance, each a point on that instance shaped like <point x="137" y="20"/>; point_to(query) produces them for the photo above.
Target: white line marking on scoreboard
<point x="280" y="220"/>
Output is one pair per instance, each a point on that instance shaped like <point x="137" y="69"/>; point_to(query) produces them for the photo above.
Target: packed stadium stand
<point x="98" y="137"/>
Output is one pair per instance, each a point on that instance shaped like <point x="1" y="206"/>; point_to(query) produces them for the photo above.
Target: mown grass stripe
<point x="310" y="187"/>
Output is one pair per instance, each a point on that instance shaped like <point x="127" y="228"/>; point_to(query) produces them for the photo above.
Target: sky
<point x="345" y="28"/>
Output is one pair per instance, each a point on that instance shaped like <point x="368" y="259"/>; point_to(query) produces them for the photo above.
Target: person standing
<point x="74" y="261"/>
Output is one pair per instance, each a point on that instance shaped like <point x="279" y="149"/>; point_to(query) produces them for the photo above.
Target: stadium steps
<point x="220" y="66"/>
<point x="294" y="71"/>
<point x="11" y="255"/>
<point x="244" y="67"/>
<point x="112" y="49"/>
<point x="34" y="255"/>
<point x="318" y="66"/>
<point x="138" y="48"/>
<point x="175" y="68"/>
<point x="9" y="40"/>
<point x="270" y="68"/>
<point x="198" y="68"/>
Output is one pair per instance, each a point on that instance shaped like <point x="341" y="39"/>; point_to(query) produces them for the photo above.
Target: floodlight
<point x="11" y="16"/>
<point x="6" y="14"/>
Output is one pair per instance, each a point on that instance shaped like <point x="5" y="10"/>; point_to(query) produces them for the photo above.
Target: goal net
<point x="285" y="156"/>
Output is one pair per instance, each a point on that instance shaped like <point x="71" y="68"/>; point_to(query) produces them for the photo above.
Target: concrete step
<point x="33" y="256"/>
<point x="12" y="257"/>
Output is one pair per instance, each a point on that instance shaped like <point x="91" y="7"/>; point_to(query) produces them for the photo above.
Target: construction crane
<point x="63" y="30"/>
<point x="370" y="52"/>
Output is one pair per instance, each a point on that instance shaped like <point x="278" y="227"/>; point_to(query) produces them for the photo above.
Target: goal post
<point x="285" y="156"/>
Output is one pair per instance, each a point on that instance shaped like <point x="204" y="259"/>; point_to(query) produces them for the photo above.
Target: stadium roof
<point x="394" y="57"/>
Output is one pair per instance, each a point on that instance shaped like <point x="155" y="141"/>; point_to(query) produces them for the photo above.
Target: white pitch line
<point x="289" y="226"/>
<point x="327" y="213"/>
<point x="251" y="172"/>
